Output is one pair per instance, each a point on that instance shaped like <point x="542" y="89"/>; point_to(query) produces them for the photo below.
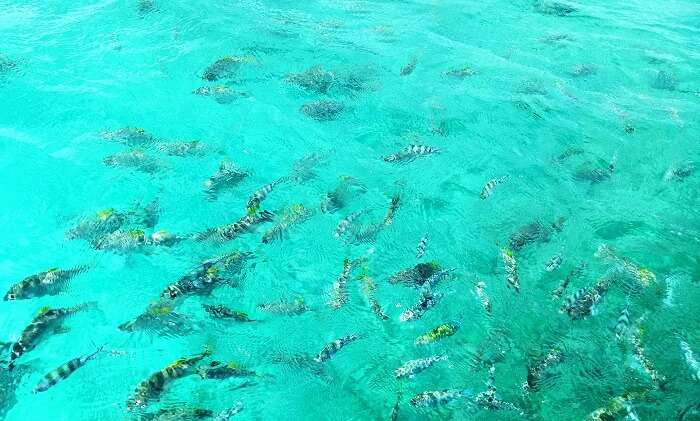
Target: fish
<point x="161" y="320"/>
<point x="315" y="79"/>
<point x="535" y="231"/>
<point x="182" y="148"/>
<point x="391" y="210"/>
<point x="362" y="234"/>
<point x="409" y="67"/>
<point x="580" y="303"/>
<point x="614" y="407"/>
<point x="293" y="215"/>
<point x="227" y="413"/>
<point x="575" y="272"/>
<point x="323" y="110"/>
<point x="347" y="188"/>
<point x="490" y="185"/>
<point x="411" y="368"/>
<point x="222" y="312"/>
<point x="679" y="172"/>
<point x="553" y="8"/>
<point x="435" y="278"/>
<point x="225" y="67"/>
<point x="104" y="222"/>
<point x="283" y="306"/>
<point x="108" y="220"/>
<point x="46" y="322"/>
<point x="228" y="232"/>
<point x="221" y="93"/>
<point x="49" y="282"/>
<point x="339" y="293"/>
<point x="422" y="244"/>
<point x="210" y="273"/>
<point x="644" y="276"/>
<point x="410" y="153"/>
<point x="442" y="331"/>
<point x="427" y="300"/>
<point x="537" y="369"/>
<point x="596" y="174"/>
<point x="644" y="361"/>
<point x="227" y="176"/>
<point x="480" y="290"/>
<point x="415" y="276"/>
<point x="461" y="72"/>
<point x="136" y="159"/>
<point x="303" y="168"/>
<point x="553" y="263"/>
<point x="346" y="222"/>
<point x="260" y="194"/>
<point x="690" y="360"/>
<point x="129" y="136"/>
<point x="219" y="371"/>
<point x="566" y="154"/>
<point x="394" y="416"/>
<point x="488" y="399"/>
<point x="64" y="371"/>
<point x="434" y="398"/>
<point x="622" y="324"/>
<point x="368" y="288"/>
<point x="511" y="268"/>
<point x="330" y="349"/>
<point x="151" y="388"/>
<point x="180" y="413"/>
<point x="135" y="240"/>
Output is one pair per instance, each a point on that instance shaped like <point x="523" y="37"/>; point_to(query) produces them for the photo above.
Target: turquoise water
<point x="581" y="111"/>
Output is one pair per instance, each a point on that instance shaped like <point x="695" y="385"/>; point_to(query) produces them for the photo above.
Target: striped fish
<point x="422" y="244"/>
<point x="206" y="276"/>
<point x="623" y="322"/>
<point x="153" y="387"/>
<point x="293" y="215"/>
<point x="553" y="263"/>
<point x="410" y="153"/>
<point x="49" y="282"/>
<point x="346" y="222"/>
<point x="261" y="193"/>
<point x="426" y="301"/>
<point x="511" y="268"/>
<point x="339" y="293"/>
<point x="559" y="290"/>
<point x="433" y="398"/>
<point x="409" y="67"/>
<point x="220" y="311"/>
<point x="228" y="175"/>
<point x="413" y="367"/>
<point x="480" y="289"/>
<point x="231" y="231"/>
<point x="537" y="369"/>
<point x="333" y="347"/>
<point x="490" y="185"/>
<point x="46" y="322"/>
<point x="580" y="304"/>
<point x="64" y="371"/>
<point x="393" y="207"/>
<point x="368" y="288"/>
<point x="644" y="361"/>
<point x="395" y="410"/>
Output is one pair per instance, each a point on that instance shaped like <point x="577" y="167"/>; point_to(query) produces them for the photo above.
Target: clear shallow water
<point x="613" y="84"/>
